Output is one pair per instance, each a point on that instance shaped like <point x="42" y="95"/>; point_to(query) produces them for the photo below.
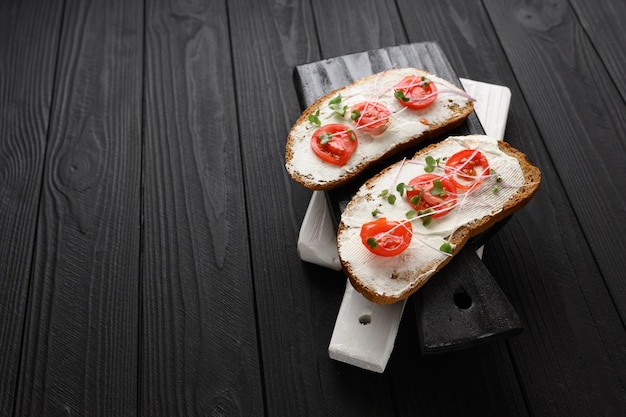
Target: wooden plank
<point x="80" y="348"/>
<point x="574" y="102"/>
<point x="541" y="258"/>
<point x="297" y="303"/>
<point x="29" y="35"/>
<point x="200" y="352"/>
<point x="603" y="22"/>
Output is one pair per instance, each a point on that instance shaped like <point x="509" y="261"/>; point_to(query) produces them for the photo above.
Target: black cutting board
<point x="461" y="305"/>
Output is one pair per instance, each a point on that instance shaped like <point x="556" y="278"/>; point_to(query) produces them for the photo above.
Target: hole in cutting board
<point x="462" y="299"/>
<point x="365" y="319"/>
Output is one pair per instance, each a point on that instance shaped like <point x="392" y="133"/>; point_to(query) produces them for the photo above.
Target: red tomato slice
<point x="423" y="188"/>
<point x="467" y="168"/>
<point x="371" y="116"/>
<point x="419" y="92"/>
<point x="386" y="238"/>
<point x="334" y="143"/>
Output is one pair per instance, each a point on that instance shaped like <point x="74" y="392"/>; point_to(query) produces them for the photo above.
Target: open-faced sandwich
<point x="346" y="131"/>
<point x="406" y="223"/>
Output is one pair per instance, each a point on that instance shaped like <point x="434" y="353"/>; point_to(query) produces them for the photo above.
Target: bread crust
<point x="457" y="115"/>
<point x="532" y="179"/>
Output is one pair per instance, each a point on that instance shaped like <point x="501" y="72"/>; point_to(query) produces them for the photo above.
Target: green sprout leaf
<point x="410" y="214"/>
<point x="315" y="118"/>
<point x="325" y="138"/>
<point x="384" y="192"/>
<point x="391" y="199"/>
<point x="438" y="189"/>
<point x="399" y="94"/>
<point x="416" y="199"/>
<point x="446" y="247"/>
<point x="335" y="105"/>
<point x="375" y="212"/>
<point x="431" y="163"/>
<point x="372" y="242"/>
<point x="355" y="114"/>
<point x="426" y="220"/>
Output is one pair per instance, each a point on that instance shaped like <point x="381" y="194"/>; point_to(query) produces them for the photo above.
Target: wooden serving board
<point x="462" y="305"/>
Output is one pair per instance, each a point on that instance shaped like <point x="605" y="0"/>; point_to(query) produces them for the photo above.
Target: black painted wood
<point x="541" y="258"/>
<point x="28" y="50"/>
<point x="79" y="354"/>
<point x="97" y="304"/>
<point x="199" y="353"/>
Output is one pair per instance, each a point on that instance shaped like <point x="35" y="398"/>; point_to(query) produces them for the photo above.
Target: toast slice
<point x="504" y="187"/>
<point x="405" y="126"/>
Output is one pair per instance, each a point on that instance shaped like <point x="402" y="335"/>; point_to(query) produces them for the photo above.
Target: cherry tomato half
<point x="386" y="238"/>
<point x="467" y="168"/>
<point x="334" y="143"/>
<point x="370" y="116"/>
<point x="419" y="92"/>
<point x="421" y="197"/>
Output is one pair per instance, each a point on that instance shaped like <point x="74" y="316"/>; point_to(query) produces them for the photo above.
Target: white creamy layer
<point x="404" y="123"/>
<point x="422" y="256"/>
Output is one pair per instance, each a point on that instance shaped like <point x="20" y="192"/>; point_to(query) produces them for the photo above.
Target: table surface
<point x="148" y="260"/>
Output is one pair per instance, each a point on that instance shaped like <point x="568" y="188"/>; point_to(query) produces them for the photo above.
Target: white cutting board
<point x="365" y="333"/>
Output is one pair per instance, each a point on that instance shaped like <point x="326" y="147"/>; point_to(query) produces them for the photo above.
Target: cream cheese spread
<point x="392" y="276"/>
<point x="404" y="123"/>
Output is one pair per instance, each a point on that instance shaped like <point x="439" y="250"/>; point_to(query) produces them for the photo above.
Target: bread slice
<point x="407" y="127"/>
<point x="512" y="182"/>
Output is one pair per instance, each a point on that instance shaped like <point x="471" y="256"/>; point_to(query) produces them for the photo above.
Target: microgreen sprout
<point x="325" y="138"/>
<point x="402" y="187"/>
<point x="446" y="247"/>
<point x="425" y="218"/>
<point x="315" y="118"/>
<point x="438" y="189"/>
<point x="391" y="199"/>
<point x="416" y="199"/>
<point x="372" y="242"/>
<point x="431" y="163"/>
<point x="375" y="212"/>
<point x="399" y="94"/>
<point x="410" y="214"/>
<point x="335" y="105"/>
<point x="355" y="114"/>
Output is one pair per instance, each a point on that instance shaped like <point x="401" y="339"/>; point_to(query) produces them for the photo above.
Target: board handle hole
<point x="365" y="319"/>
<point x="462" y="299"/>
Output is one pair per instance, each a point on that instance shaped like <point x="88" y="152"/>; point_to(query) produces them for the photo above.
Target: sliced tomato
<point x="467" y="168"/>
<point x="386" y="238"/>
<point x="421" y="195"/>
<point x="370" y="116"/>
<point x="334" y="143"/>
<point x="416" y="92"/>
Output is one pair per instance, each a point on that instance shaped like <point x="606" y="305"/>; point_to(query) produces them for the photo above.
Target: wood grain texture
<point x="28" y="46"/>
<point x="603" y="22"/>
<point x="80" y="347"/>
<point x="270" y="39"/>
<point x="200" y="352"/>
<point x="344" y="27"/>
<point x="589" y="114"/>
<point x="553" y="282"/>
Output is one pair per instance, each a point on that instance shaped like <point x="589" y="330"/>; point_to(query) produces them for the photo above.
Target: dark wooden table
<point x="148" y="228"/>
